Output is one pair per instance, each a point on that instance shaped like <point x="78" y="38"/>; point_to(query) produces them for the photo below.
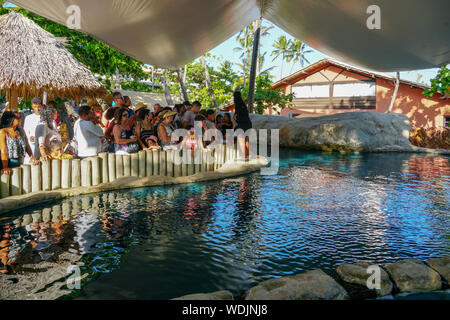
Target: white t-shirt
<point x="88" y="138"/>
<point x="188" y="116"/>
<point x="210" y="124"/>
<point x="30" y="124"/>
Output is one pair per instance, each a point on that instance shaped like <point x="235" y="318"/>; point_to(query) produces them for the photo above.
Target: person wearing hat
<point x="30" y="124"/>
<point x="108" y="99"/>
<point x="165" y="129"/>
<point x="93" y="103"/>
<point x="141" y="105"/>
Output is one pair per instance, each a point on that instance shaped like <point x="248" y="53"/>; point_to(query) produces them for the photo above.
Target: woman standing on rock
<point x="243" y="122"/>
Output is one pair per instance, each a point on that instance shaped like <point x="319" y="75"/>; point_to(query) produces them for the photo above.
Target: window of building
<point x="447" y="121"/>
<point x="355" y="89"/>
<point x="311" y="91"/>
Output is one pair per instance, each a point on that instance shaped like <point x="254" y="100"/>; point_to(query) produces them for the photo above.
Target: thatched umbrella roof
<point x="32" y="61"/>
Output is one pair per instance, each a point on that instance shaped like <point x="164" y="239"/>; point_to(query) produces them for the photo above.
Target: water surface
<point x="320" y="211"/>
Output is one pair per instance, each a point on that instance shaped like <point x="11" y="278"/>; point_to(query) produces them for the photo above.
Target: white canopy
<point x="414" y="34"/>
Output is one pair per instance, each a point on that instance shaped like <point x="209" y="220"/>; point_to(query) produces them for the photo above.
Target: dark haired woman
<point x="145" y="131"/>
<point x="12" y="144"/>
<point x="243" y="122"/>
<point x="227" y="124"/>
<point x="124" y="136"/>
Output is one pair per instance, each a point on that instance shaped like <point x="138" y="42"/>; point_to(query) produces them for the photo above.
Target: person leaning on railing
<point x="145" y="132"/>
<point x="87" y="133"/>
<point x="125" y="138"/>
<point x="165" y="130"/>
<point x="12" y="144"/>
<point x="46" y="131"/>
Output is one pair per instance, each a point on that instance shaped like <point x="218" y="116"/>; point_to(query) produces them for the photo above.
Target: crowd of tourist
<point x="121" y="129"/>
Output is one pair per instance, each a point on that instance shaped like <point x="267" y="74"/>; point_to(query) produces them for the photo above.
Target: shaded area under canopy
<point x="413" y="34"/>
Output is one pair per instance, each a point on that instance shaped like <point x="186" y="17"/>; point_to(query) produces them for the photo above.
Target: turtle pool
<point x="321" y="210"/>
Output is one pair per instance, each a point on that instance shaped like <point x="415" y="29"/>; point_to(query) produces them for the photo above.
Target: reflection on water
<point x="320" y="211"/>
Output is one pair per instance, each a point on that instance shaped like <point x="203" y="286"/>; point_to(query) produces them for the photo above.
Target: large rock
<point x="412" y="275"/>
<point x="356" y="273"/>
<point x="350" y="131"/>
<point x="311" y="285"/>
<point x="218" y="295"/>
<point x="442" y="266"/>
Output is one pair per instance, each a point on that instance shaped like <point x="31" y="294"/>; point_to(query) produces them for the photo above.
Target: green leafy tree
<point x="266" y="96"/>
<point x="440" y="83"/>
<point x="136" y="86"/>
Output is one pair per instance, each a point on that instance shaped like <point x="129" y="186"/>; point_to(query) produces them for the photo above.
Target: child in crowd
<point x="56" y="150"/>
<point x="152" y="143"/>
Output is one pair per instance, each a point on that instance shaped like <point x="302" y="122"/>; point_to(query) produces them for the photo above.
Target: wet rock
<point x="411" y="275"/>
<point x="39" y="281"/>
<point x="442" y="266"/>
<point x="349" y="131"/>
<point x="311" y="285"/>
<point x="357" y="273"/>
<point x="218" y="295"/>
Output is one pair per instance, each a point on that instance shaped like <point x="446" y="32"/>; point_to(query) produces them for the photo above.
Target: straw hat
<point x="108" y="99"/>
<point x="168" y="113"/>
<point x="93" y="103"/>
<point x="140" y="105"/>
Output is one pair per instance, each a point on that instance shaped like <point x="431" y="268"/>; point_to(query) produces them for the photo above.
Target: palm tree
<point x="244" y="56"/>
<point x="267" y="71"/>
<point x="297" y="52"/>
<point x="281" y="46"/>
<point x="245" y="42"/>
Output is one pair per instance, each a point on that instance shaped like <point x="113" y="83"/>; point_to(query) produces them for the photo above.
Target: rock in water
<point x="357" y="273"/>
<point x="411" y="275"/>
<point x="311" y="285"/>
<point x="350" y="131"/>
<point x="442" y="266"/>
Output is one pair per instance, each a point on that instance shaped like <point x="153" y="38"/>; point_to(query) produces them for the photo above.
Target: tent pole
<point x="251" y="87"/>
<point x="13" y="99"/>
<point x="44" y="98"/>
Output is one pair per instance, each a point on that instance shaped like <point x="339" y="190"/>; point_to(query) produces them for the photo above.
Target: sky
<point x="225" y="52"/>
